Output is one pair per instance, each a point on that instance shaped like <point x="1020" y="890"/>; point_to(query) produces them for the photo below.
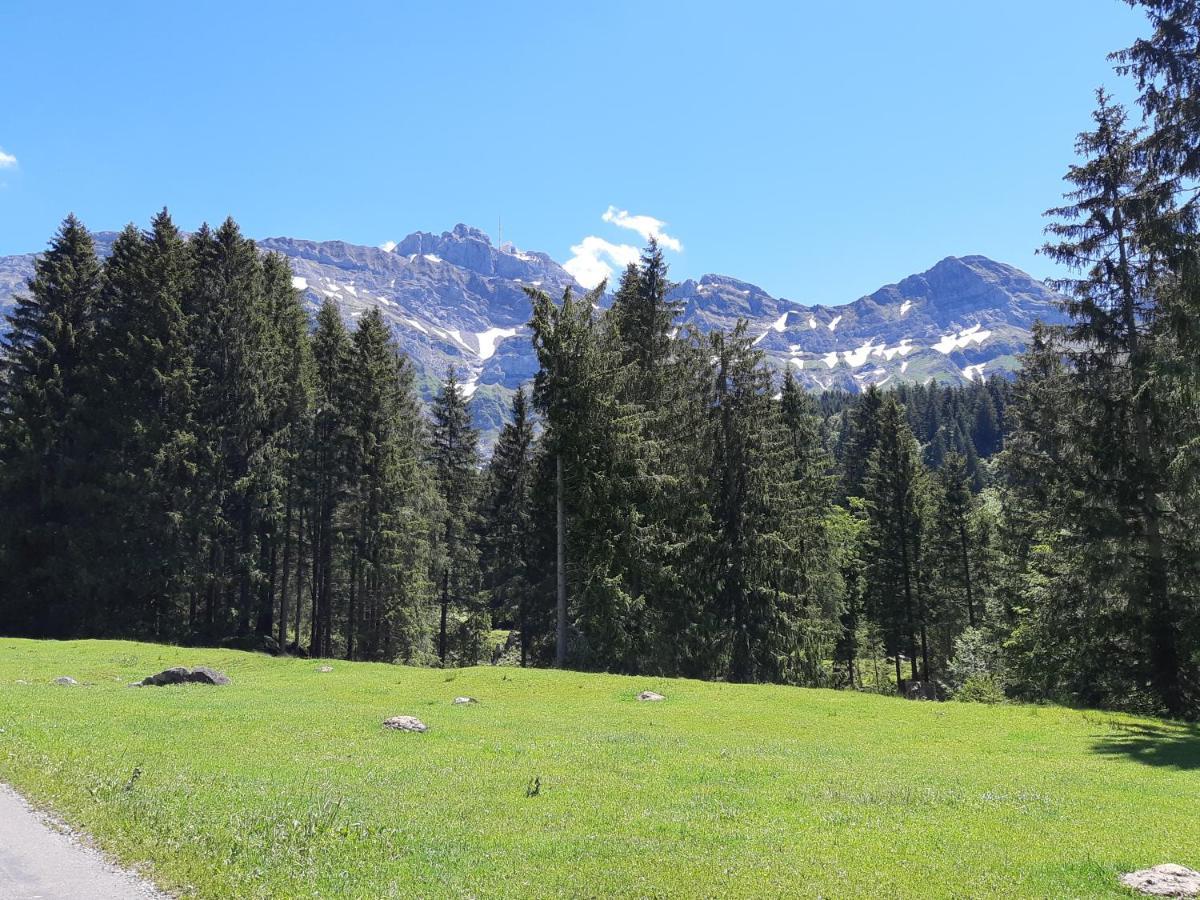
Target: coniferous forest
<point x="186" y="455"/>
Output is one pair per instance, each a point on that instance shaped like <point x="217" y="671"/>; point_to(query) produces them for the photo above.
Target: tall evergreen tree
<point x="506" y="532"/>
<point x="389" y="498"/>
<point x="328" y="468"/>
<point x="895" y="492"/>
<point x="951" y="576"/>
<point x="139" y="420"/>
<point x="43" y="453"/>
<point x="455" y="459"/>
<point x="814" y="578"/>
<point x="1124" y="426"/>
<point x="225" y="306"/>
<point x="290" y="366"/>
<point x="758" y="601"/>
<point x="861" y="440"/>
<point x="587" y="436"/>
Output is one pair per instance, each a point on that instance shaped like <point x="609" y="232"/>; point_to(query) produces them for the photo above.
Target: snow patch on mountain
<point x="779" y="325"/>
<point x="490" y="338"/>
<point x="904" y="348"/>
<point x="951" y="342"/>
<point x="856" y="358"/>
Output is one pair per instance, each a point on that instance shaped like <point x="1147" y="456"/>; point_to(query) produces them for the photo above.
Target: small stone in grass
<point x="1167" y="880"/>
<point x="65" y="679"/>
<point x="325" y="669"/>
<point x="405" y="723"/>
<point x="650" y="695"/>
<point x="460" y="701"/>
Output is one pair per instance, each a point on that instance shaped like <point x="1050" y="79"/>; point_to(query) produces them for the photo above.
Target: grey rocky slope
<point x="454" y="299"/>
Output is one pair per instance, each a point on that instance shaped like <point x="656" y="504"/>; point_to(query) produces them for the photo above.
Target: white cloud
<point x="7" y="160"/>
<point x="593" y="259"/>
<point x="387" y="246"/>
<point x="647" y="226"/>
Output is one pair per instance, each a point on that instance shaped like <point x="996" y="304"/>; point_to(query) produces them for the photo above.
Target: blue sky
<point x="817" y="149"/>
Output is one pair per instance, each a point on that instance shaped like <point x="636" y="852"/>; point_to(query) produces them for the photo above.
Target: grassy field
<point x="284" y="784"/>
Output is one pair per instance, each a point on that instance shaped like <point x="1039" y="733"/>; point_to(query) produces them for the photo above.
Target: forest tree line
<point x="184" y="455"/>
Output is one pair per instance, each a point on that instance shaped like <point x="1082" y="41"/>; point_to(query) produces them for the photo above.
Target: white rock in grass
<point x="462" y="701"/>
<point x="325" y="669"/>
<point x="650" y="695"/>
<point x="65" y="679"/>
<point x="405" y="723"/>
<point x="1167" y="880"/>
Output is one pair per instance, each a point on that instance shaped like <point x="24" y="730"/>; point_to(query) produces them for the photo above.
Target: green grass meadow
<point x="284" y="784"/>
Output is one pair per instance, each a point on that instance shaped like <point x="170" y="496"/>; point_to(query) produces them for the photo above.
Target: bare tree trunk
<point x="966" y="564"/>
<point x="286" y="574"/>
<point x="300" y="576"/>
<point x="560" y="643"/>
<point x="445" y="614"/>
<point x="908" y="607"/>
<point x="350" y="612"/>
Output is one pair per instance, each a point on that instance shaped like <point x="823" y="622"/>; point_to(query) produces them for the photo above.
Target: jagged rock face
<point x="452" y="299"/>
<point x="455" y="299"/>
<point x="963" y="319"/>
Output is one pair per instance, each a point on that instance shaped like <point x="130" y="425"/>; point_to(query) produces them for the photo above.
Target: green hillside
<point x="285" y="784"/>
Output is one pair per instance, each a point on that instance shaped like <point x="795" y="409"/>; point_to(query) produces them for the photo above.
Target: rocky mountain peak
<point x="454" y="299"/>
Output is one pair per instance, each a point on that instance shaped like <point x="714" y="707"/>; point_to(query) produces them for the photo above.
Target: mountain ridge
<point x="455" y="299"/>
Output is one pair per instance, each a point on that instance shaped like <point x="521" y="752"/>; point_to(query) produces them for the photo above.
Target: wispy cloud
<point x="7" y="160"/>
<point x="647" y="226"/>
<point x="387" y="246"/>
<point x="594" y="258"/>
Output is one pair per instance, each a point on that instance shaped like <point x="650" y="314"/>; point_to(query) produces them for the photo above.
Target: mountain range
<point x="455" y="299"/>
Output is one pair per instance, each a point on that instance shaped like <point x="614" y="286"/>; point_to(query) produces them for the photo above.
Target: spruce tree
<point x="328" y="468"/>
<point x="506" y="532"/>
<point x="952" y="581"/>
<point x="388" y="501"/>
<point x="139" y="422"/>
<point x="814" y="578"/>
<point x="1124" y="426"/>
<point x="44" y="458"/>
<point x="225" y="306"/>
<point x="287" y="365"/>
<point x="862" y="430"/>
<point x="754" y="554"/>
<point x="587" y="438"/>
<point x="454" y="456"/>
<point x="895" y="492"/>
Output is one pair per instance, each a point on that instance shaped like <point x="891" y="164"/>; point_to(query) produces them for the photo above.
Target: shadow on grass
<point x="1172" y="745"/>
